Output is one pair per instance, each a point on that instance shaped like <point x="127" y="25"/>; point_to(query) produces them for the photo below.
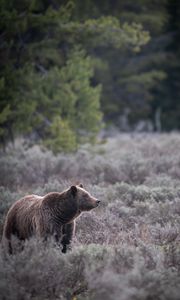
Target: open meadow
<point x="126" y="249"/>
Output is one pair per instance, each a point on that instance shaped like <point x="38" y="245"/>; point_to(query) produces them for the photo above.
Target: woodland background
<point x="70" y="68"/>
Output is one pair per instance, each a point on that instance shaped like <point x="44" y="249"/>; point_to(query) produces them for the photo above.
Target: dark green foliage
<point x="132" y="79"/>
<point x="139" y="85"/>
<point x="41" y="82"/>
<point x="47" y="84"/>
<point x="67" y="65"/>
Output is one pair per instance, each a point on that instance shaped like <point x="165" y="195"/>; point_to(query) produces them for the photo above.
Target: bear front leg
<point x="68" y="232"/>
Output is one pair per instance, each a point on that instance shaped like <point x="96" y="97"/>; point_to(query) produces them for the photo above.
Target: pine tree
<point x="47" y="70"/>
<point x="131" y="80"/>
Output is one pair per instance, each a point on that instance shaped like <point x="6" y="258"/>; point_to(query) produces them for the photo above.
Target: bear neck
<point x="63" y="207"/>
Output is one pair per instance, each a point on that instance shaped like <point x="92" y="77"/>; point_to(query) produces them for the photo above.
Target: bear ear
<point x="80" y="185"/>
<point x="73" y="190"/>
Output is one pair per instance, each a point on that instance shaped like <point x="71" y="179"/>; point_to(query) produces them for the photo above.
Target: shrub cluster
<point x="128" y="248"/>
<point x="134" y="159"/>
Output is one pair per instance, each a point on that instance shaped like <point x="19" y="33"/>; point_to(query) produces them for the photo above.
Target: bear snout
<point x="97" y="202"/>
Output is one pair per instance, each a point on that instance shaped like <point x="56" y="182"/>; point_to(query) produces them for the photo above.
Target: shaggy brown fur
<point x="51" y="215"/>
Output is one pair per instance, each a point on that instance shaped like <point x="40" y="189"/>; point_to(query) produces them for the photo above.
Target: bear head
<point x="85" y="201"/>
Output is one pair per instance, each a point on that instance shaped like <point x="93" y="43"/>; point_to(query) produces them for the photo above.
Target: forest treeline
<point x="68" y="67"/>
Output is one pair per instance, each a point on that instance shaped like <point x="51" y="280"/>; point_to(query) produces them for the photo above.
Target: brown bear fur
<point x="51" y="215"/>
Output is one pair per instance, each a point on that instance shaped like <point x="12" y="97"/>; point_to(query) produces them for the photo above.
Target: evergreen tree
<point x="131" y="80"/>
<point x="46" y="73"/>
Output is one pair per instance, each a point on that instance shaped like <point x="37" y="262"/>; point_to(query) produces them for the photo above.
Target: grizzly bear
<point x="51" y="215"/>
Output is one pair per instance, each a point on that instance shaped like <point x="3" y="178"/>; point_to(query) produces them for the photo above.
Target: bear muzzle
<point x="98" y="202"/>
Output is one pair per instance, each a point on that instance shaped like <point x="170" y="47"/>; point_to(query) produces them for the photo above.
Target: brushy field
<point x="127" y="249"/>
